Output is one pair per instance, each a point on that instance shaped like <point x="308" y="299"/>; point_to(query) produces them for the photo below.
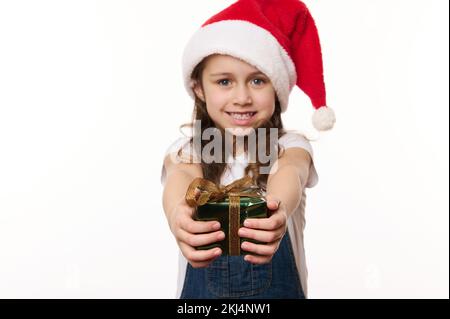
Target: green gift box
<point x="230" y="205"/>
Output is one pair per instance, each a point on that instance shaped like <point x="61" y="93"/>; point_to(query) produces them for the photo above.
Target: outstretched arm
<point x="284" y="189"/>
<point x="178" y="178"/>
<point x="188" y="232"/>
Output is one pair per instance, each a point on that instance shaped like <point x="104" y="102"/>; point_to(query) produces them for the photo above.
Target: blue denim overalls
<point x="233" y="277"/>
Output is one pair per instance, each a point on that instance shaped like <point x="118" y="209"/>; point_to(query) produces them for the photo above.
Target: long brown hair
<point x="213" y="171"/>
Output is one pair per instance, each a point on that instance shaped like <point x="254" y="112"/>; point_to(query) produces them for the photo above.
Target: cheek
<point x="266" y="103"/>
<point x="216" y="98"/>
<point x="215" y="104"/>
<point x="215" y="112"/>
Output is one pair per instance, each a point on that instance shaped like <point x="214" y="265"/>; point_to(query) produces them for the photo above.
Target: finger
<point x="272" y="205"/>
<point x="257" y="259"/>
<point x="196" y="227"/>
<point x="261" y="235"/>
<point x="272" y="202"/>
<point x="195" y="240"/>
<point x="195" y="255"/>
<point x="263" y="250"/>
<point x="273" y="222"/>
<point x="202" y="264"/>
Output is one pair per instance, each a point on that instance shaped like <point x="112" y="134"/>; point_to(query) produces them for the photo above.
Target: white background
<point x="91" y="96"/>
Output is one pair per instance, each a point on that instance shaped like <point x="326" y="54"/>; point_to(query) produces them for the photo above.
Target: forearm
<point x="175" y="190"/>
<point x="285" y="184"/>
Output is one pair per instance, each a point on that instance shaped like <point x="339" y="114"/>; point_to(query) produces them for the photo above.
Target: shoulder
<point x="175" y="160"/>
<point x="182" y="149"/>
<point x="293" y="139"/>
<point x="298" y="152"/>
<point x="177" y="144"/>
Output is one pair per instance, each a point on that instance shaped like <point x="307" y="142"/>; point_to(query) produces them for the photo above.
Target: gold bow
<point x="209" y="191"/>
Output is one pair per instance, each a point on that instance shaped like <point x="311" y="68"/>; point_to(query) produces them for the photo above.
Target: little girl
<point x="240" y="68"/>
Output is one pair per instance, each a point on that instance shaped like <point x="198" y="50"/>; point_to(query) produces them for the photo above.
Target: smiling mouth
<point x="241" y="116"/>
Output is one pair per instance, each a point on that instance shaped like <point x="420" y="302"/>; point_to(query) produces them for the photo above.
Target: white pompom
<point x="323" y="118"/>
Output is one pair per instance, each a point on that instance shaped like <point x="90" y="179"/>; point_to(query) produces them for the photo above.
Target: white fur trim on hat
<point x="248" y="42"/>
<point x="323" y="118"/>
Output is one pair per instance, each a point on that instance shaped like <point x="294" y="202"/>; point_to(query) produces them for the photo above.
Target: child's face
<point x="242" y="90"/>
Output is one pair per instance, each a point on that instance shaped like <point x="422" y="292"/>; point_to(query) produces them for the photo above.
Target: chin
<point x="241" y="130"/>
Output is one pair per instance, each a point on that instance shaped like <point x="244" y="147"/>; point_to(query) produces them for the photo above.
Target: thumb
<point x="272" y="202"/>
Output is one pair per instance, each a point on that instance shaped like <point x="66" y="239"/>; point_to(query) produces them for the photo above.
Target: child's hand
<point x="190" y="233"/>
<point x="270" y="230"/>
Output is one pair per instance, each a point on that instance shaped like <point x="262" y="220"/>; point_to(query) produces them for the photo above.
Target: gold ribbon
<point x="209" y="191"/>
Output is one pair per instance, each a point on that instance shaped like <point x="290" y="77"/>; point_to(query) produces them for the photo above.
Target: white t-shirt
<point x="234" y="171"/>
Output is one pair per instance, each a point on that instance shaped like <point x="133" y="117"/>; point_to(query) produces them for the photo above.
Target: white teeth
<point x="242" y="116"/>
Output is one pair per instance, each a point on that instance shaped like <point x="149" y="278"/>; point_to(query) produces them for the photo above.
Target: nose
<point x="242" y="95"/>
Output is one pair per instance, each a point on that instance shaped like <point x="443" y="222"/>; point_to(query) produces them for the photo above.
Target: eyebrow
<point x="228" y="74"/>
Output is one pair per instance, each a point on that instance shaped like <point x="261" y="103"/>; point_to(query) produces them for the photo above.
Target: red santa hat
<point x="278" y="37"/>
